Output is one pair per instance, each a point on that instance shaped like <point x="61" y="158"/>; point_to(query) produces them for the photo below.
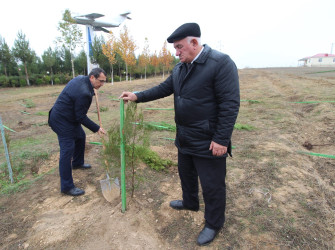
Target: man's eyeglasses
<point x="102" y="81"/>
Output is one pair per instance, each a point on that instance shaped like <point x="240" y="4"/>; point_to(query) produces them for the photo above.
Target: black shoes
<point x="178" y="205"/>
<point x="84" y="166"/>
<point x="206" y="236"/>
<point x="74" y="191"/>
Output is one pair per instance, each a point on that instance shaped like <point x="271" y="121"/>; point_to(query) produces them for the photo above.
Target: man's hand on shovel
<point x="101" y="131"/>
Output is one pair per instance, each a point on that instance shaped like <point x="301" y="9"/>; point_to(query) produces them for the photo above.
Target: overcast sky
<point x="254" y="33"/>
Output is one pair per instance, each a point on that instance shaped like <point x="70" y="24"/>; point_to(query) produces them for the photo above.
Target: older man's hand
<point x="217" y="149"/>
<point x="128" y="96"/>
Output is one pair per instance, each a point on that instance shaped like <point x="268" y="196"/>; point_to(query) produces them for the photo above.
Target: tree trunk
<point x="52" y="74"/>
<point x="72" y="64"/>
<point x="120" y="72"/>
<point x="112" y="76"/>
<point x="126" y="73"/>
<point x="26" y="71"/>
<point x="145" y="72"/>
<point x="7" y="80"/>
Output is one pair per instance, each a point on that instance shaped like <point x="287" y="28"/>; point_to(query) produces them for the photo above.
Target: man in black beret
<point x="206" y="92"/>
<point x="187" y="29"/>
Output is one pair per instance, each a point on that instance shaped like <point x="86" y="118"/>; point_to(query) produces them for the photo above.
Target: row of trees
<point x="20" y="65"/>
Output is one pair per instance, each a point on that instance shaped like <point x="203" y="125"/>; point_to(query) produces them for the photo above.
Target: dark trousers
<point x="212" y="174"/>
<point x="72" y="150"/>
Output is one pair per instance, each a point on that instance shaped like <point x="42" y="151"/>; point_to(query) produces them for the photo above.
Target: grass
<point x="26" y="154"/>
<point x="153" y="160"/>
<point x="28" y="103"/>
<point x="240" y="126"/>
<point x="23" y="164"/>
<point x="251" y="101"/>
<point x="160" y="126"/>
<point x="25" y="142"/>
<point x="41" y="124"/>
<point x="9" y="188"/>
<point x="103" y="109"/>
<point x="42" y="113"/>
<point x="319" y="72"/>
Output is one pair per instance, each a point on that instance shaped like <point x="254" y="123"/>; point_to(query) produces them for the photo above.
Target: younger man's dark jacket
<point x="71" y="107"/>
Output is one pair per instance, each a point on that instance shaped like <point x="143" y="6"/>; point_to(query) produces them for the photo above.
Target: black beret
<point x="187" y="29"/>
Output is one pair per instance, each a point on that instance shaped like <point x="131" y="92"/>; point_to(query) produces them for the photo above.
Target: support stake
<point x="123" y="171"/>
<point x="6" y="152"/>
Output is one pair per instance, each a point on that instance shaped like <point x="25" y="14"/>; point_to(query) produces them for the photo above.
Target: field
<point x="279" y="196"/>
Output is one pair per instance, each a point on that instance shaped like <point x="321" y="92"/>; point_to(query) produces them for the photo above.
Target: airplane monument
<point x="92" y="25"/>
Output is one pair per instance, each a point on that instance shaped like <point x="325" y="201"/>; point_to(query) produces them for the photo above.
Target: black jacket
<point x="71" y="107"/>
<point x="206" y="101"/>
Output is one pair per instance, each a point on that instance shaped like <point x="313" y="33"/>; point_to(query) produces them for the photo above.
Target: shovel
<point x="110" y="187"/>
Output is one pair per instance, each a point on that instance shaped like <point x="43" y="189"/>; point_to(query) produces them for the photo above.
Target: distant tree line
<point x="20" y="65"/>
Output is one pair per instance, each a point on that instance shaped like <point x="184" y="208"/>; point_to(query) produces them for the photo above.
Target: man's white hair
<point x="190" y="38"/>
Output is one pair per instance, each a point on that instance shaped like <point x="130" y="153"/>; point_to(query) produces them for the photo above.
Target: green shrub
<point x="152" y="159"/>
<point x="64" y="78"/>
<point x="32" y="79"/>
<point x="13" y="80"/>
<point x="116" y="78"/>
<point x="4" y="81"/>
<point x="28" y="103"/>
<point x="22" y="83"/>
<point x="56" y="80"/>
<point x="39" y="81"/>
<point x="47" y="79"/>
<point x="103" y="109"/>
<point x="240" y="126"/>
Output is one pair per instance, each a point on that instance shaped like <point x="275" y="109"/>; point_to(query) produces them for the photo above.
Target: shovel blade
<point x="110" y="189"/>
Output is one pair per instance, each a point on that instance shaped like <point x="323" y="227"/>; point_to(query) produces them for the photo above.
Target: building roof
<point x="323" y="55"/>
<point x="320" y="55"/>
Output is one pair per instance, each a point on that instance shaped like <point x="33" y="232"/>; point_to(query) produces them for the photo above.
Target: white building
<point x="318" y="60"/>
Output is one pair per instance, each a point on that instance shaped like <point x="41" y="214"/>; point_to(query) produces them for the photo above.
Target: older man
<point x="66" y="117"/>
<point x="205" y="85"/>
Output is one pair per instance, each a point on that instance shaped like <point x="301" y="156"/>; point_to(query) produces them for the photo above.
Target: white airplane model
<point x="89" y="19"/>
<point x="93" y="25"/>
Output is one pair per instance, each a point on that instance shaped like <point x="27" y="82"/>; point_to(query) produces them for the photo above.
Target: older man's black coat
<point x="206" y="100"/>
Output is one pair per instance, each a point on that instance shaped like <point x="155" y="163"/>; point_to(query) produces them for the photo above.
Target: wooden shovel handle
<point x="98" y="108"/>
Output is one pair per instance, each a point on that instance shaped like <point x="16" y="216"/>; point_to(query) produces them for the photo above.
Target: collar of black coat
<point x="90" y="86"/>
<point x="204" y="54"/>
